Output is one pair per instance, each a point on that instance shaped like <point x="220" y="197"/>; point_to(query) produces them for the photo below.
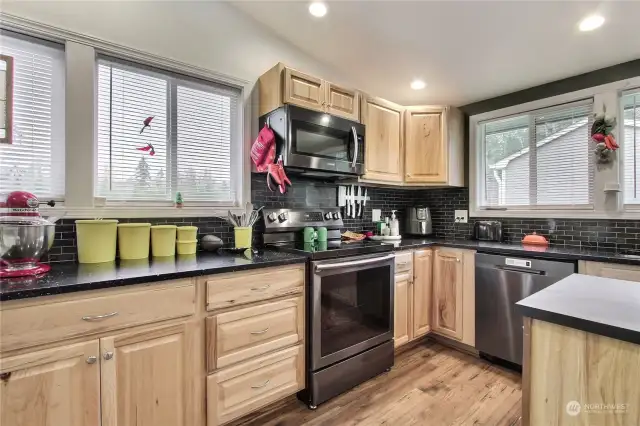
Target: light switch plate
<point x="376" y="214"/>
<point x="461" y="216"/>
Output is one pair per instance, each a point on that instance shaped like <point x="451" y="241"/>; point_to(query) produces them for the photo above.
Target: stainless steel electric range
<point x="349" y="301"/>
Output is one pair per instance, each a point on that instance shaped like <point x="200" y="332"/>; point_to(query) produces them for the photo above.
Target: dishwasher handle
<point x="521" y="270"/>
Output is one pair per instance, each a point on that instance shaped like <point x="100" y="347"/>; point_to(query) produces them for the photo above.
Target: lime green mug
<point x="309" y="234"/>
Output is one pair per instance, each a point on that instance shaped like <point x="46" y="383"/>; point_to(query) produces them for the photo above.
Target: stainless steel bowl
<point x="24" y="242"/>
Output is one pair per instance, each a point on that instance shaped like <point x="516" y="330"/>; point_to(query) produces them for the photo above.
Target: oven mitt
<point x="276" y="176"/>
<point x="263" y="150"/>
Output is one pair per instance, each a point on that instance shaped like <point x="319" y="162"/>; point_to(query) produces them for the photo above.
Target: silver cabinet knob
<point x="92" y="359"/>
<point x="108" y="355"/>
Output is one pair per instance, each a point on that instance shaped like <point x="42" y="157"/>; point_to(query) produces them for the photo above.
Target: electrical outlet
<point x="461" y="216"/>
<point x="376" y="214"/>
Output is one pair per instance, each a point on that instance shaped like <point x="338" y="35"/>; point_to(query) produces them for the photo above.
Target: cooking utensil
<point x="358" y="202"/>
<point x="353" y="203"/>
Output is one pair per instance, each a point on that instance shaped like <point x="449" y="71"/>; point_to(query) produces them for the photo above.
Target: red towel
<point x="263" y="151"/>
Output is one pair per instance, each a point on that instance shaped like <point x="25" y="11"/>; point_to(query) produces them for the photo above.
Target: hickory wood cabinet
<point x="454" y="294"/>
<point x="610" y="270"/>
<point x="384" y="140"/>
<point x="140" y="376"/>
<point x="412" y="146"/>
<point x="412" y="296"/>
<point x="172" y="353"/>
<point x="434" y="292"/>
<point x="434" y="150"/>
<point x="283" y="85"/>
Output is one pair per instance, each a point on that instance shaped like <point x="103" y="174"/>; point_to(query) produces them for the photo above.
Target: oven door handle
<point x="329" y="266"/>
<point x="355" y="147"/>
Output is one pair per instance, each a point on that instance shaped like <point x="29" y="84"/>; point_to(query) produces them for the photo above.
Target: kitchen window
<point x="537" y="160"/>
<point x="631" y="146"/>
<point x="32" y="107"/>
<point x="161" y="133"/>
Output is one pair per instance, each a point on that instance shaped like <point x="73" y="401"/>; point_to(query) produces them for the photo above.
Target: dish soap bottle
<point x="395" y="226"/>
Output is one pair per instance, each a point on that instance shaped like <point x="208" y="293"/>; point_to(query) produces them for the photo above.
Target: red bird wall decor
<point x="148" y="148"/>
<point x="147" y="123"/>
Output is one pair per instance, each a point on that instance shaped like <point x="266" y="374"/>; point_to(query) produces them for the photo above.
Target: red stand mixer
<point x="24" y="235"/>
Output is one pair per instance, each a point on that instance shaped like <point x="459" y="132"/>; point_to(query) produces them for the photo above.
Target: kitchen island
<point x="582" y="353"/>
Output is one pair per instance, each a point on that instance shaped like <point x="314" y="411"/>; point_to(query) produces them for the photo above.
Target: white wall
<point x="208" y="34"/>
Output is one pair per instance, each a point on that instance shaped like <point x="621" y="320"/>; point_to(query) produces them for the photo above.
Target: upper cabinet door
<point x="447" y="293"/>
<point x="342" y="102"/>
<point x="303" y="90"/>
<point x="59" y="386"/>
<point x="384" y="140"/>
<point x="426" y="145"/>
<point x="147" y="379"/>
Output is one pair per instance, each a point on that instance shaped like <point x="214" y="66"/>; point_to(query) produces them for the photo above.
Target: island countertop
<point x="71" y="277"/>
<point x="603" y="306"/>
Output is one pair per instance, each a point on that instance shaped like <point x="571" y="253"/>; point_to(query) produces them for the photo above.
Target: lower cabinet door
<point x="238" y="390"/>
<point x="59" y="386"/>
<point x="402" y="310"/>
<point x="147" y="378"/>
<point x="422" y="290"/>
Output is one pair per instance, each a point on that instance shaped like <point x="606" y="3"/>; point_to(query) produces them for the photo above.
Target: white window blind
<point x="34" y="161"/>
<point x="192" y="132"/>
<point x="541" y="159"/>
<point x="631" y="147"/>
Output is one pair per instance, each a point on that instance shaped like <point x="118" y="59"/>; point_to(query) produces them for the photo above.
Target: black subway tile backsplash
<point x="306" y="192"/>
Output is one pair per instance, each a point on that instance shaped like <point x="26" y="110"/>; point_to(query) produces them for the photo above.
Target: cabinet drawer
<point x="228" y="290"/>
<point x="40" y="322"/>
<point x="236" y="336"/>
<point x="239" y="390"/>
<point x="404" y="262"/>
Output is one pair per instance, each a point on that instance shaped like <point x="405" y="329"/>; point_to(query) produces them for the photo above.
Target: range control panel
<point x="299" y="218"/>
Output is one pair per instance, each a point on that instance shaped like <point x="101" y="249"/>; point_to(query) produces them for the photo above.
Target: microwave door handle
<point x="355" y="147"/>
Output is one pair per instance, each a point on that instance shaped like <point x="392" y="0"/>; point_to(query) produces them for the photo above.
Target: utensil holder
<point x="96" y="240"/>
<point x="242" y="236"/>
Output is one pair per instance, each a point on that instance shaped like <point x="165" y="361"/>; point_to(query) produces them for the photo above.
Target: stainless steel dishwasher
<point x="501" y="281"/>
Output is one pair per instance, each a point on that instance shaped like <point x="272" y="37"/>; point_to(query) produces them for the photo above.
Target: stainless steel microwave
<point x="317" y="143"/>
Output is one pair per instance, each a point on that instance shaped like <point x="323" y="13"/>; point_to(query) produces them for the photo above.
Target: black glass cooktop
<point x="333" y="248"/>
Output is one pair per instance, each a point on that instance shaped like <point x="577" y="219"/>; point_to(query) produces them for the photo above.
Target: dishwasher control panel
<point x="521" y="263"/>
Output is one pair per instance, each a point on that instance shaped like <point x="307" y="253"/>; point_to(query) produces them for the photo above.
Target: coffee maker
<point x="418" y="221"/>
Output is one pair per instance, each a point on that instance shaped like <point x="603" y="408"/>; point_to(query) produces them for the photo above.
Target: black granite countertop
<point x="603" y="306"/>
<point x="516" y="249"/>
<point x="70" y="277"/>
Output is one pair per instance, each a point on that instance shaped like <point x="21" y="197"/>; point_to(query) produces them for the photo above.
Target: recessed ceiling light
<point x="592" y="22"/>
<point x="418" y="84"/>
<point x="318" y="9"/>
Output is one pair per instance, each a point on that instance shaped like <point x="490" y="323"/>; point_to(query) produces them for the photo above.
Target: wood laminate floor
<point x="430" y="384"/>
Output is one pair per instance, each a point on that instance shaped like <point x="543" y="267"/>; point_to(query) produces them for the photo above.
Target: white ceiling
<point x="466" y="51"/>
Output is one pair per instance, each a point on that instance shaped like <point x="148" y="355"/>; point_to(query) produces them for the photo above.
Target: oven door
<point x="351" y="307"/>
<point x="320" y="141"/>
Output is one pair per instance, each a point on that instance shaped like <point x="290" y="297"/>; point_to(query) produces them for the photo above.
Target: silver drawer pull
<point x="261" y="288"/>
<point x="402" y="263"/>
<point x="262" y="385"/>
<point x="261" y="331"/>
<point x="99" y="317"/>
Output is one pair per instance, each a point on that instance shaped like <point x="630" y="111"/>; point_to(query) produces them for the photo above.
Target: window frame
<point x="482" y="165"/>
<point x="608" y="183"/>
<point x="174" y="81"/>
<point x="633" y="208"/>
<point x="81" y="102"/>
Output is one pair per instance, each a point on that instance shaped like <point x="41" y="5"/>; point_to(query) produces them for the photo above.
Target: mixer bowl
<point x="24" y="242"/>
